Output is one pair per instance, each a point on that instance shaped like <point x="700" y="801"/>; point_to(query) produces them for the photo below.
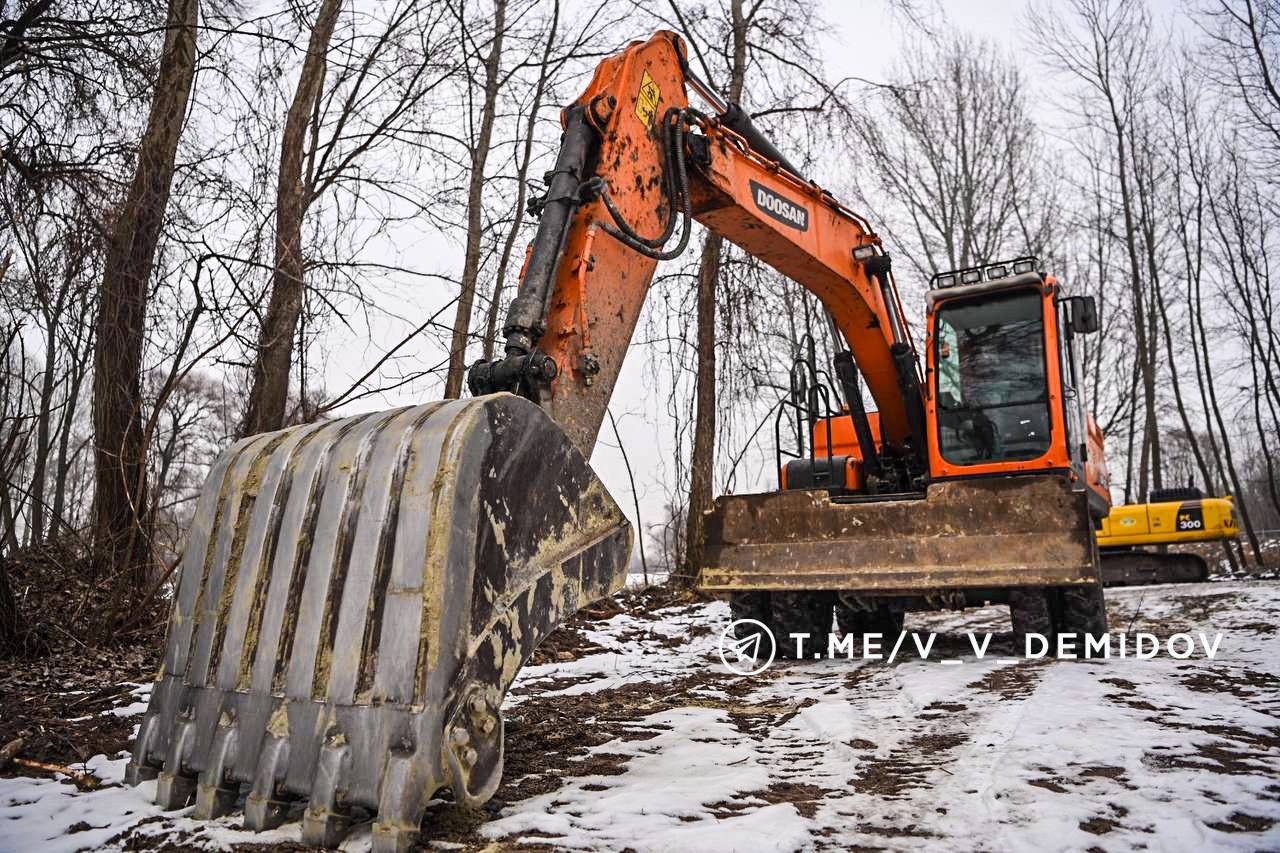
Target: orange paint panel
<point x="814" y="248"/>
<point x="844" y="441"/>
<point x="601" y="284"/>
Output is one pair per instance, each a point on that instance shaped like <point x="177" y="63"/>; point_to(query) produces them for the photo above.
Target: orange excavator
<point x="357" y="595"/>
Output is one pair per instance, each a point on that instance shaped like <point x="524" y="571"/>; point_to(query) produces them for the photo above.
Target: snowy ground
<point x="646" y="742"/>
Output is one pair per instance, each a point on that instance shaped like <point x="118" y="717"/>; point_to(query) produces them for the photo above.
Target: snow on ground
<point x="647" y="742"/>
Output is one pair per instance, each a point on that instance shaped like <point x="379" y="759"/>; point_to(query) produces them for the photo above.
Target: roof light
<point x="997" y="271"/>
<point x="971" y="276"/>
<point x="1022" y="265"/>
<point x="864" y="252"/>
<point x="947" y="280"/>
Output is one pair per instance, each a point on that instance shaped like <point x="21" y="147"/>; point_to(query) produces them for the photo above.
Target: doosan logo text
<point x="785" y="211"/>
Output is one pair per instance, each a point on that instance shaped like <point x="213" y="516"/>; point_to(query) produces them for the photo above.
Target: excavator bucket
<point x="355" y="598"/>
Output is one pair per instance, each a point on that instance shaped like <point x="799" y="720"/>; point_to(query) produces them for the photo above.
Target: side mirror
<point x="1084" y="315"/>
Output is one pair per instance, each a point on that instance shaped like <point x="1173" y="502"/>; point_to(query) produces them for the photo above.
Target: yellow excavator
<point x="356" y="596"/>
<point x="1179" y="516"/>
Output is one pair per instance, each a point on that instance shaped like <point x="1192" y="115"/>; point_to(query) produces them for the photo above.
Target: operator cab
<point x="1001" y="391"/>
<point x="992" y="380"/>
<point x="1003" y="372"/>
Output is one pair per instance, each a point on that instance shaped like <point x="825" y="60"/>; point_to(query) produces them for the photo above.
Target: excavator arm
<point x="637" y="164"/>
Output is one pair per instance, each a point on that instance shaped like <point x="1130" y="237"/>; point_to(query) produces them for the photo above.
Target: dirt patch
<point x="1098" y="825"/>
<point x="1014" y="681"/>
<point x="1115" y="774"/>
<point x="569" y="642"/>
<point x="1262" y="629"/>
<point x="1243" y="684"/>
<point x="1222" y="757"/>
<point x="1202" y="608"/>
<point x="946" y="706"/>
<point x="908" y="766"/>
<point x="804" y="797"/>
<point x="564" y="644"/>
<point x="1241" y="822"/>
<point x="61" y="705"/>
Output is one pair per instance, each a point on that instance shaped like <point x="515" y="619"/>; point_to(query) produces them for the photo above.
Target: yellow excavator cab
<point x="1168" y="523"/>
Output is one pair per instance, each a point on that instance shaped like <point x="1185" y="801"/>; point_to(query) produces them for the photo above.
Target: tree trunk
<point x="475" y="199"/>
<point x="1180" y="404"/>
<point x="269" y="394"/>
<point x="40" y="462"/>
<point x="1242" y="505"/>
<point x="52" y="312"/>
<point x="79" y="356"/>
<point x="1133" y="415"/>
<point x="702" y="460"/>
<point x="120" y="541"/>
<point x="10" y="617"/>
<point x="522" y="186"/>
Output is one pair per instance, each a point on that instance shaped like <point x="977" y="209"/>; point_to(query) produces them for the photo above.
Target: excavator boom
<point x="636" y="162"/>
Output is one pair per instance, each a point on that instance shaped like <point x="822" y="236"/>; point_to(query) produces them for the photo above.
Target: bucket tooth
<point x="264" y="807"/>
<point x="328" y="816"/>
<point x="384" y="576"/>
<point x="142" y="766"/>
<point x="404" y="789"/>
<point x="216" y="793"/>
<point x="177" y="783"/>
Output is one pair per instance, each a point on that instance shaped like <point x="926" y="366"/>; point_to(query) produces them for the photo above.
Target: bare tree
<point x="1105" y="46"/>
<point x="478" y="151"/>
<point x="121" y="541"/>
<point x="270" y="390"/>
<point x="953" y="165"/>
<point x="545" y="73"/>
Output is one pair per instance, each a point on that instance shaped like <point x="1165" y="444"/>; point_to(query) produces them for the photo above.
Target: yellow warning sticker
<point x="647" y="100"/>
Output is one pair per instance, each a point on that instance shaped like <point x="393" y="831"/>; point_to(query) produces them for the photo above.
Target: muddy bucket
<point x="994" y="533"/>
<point x="356" y="597"/>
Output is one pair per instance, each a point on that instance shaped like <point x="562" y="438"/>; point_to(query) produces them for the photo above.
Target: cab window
<point x="993" y="400"/>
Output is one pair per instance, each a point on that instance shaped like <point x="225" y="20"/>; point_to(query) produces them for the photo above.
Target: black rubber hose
<point x="739" y="121"/>
<point x="668" y="178"/>
<point x="675" y="172"/>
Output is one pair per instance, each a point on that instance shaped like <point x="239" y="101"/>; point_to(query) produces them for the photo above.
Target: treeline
<point x="204" y="207"/>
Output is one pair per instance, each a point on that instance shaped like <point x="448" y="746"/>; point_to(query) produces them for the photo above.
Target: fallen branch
<point x="79" y="777"/>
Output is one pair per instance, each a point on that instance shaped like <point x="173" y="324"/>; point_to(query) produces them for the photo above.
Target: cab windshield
<point x="993" y="402"/>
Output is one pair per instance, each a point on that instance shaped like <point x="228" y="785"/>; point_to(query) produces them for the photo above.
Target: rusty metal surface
<point x="1012" y="531"/>
<point x="356" y="597"/>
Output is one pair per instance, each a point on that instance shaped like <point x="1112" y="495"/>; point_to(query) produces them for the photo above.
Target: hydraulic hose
<point x="675" y="128"/>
